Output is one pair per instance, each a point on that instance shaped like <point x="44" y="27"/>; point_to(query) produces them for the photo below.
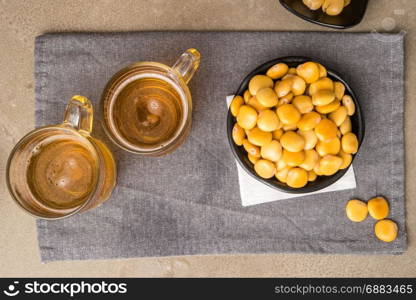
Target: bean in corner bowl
<point x="338" y="14"/>
<point x="295" y="125"/>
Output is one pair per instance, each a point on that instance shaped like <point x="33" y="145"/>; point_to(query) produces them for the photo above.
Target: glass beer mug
<point x="60" y="170"/>
<point x="147" y="106"/>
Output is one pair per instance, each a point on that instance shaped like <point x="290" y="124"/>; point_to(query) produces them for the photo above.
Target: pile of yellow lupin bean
<point x="330" y="7"/>
<point x="295" y="124"/>
<point x="378" y="207"/>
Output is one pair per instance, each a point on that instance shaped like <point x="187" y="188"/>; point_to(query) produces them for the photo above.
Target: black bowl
<point x="350" y="16"/>
<point x="241" y="155"/>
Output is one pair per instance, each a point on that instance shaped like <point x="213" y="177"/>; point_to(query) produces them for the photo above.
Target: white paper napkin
<point x="254" y="192"/>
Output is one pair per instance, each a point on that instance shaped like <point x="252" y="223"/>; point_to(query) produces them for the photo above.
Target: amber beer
<point x="59" y="170"/>
<point x="148" y="112"/>
<point x="62" y="173"/>
<point x="147" y="106"/>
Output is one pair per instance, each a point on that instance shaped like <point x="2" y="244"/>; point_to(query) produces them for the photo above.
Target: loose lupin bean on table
<point x="385" y="230"/>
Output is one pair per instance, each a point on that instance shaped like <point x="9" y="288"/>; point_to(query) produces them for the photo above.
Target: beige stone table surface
<point x="21" y="21"/>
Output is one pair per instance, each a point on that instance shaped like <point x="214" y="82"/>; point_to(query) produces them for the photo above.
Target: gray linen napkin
<point x="188" y="202"/>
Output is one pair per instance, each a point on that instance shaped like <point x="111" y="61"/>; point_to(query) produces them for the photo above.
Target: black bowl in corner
<point x="240" y="154"/>
<point x="350" y="16"/>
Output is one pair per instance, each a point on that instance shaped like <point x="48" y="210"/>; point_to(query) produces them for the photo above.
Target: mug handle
<point x="79" y="114"/>
<point x="187" y="64"/>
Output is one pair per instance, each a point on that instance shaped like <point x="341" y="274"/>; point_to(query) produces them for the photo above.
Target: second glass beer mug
<point x="59" y="170"/>
<point x="147" y="106"/>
